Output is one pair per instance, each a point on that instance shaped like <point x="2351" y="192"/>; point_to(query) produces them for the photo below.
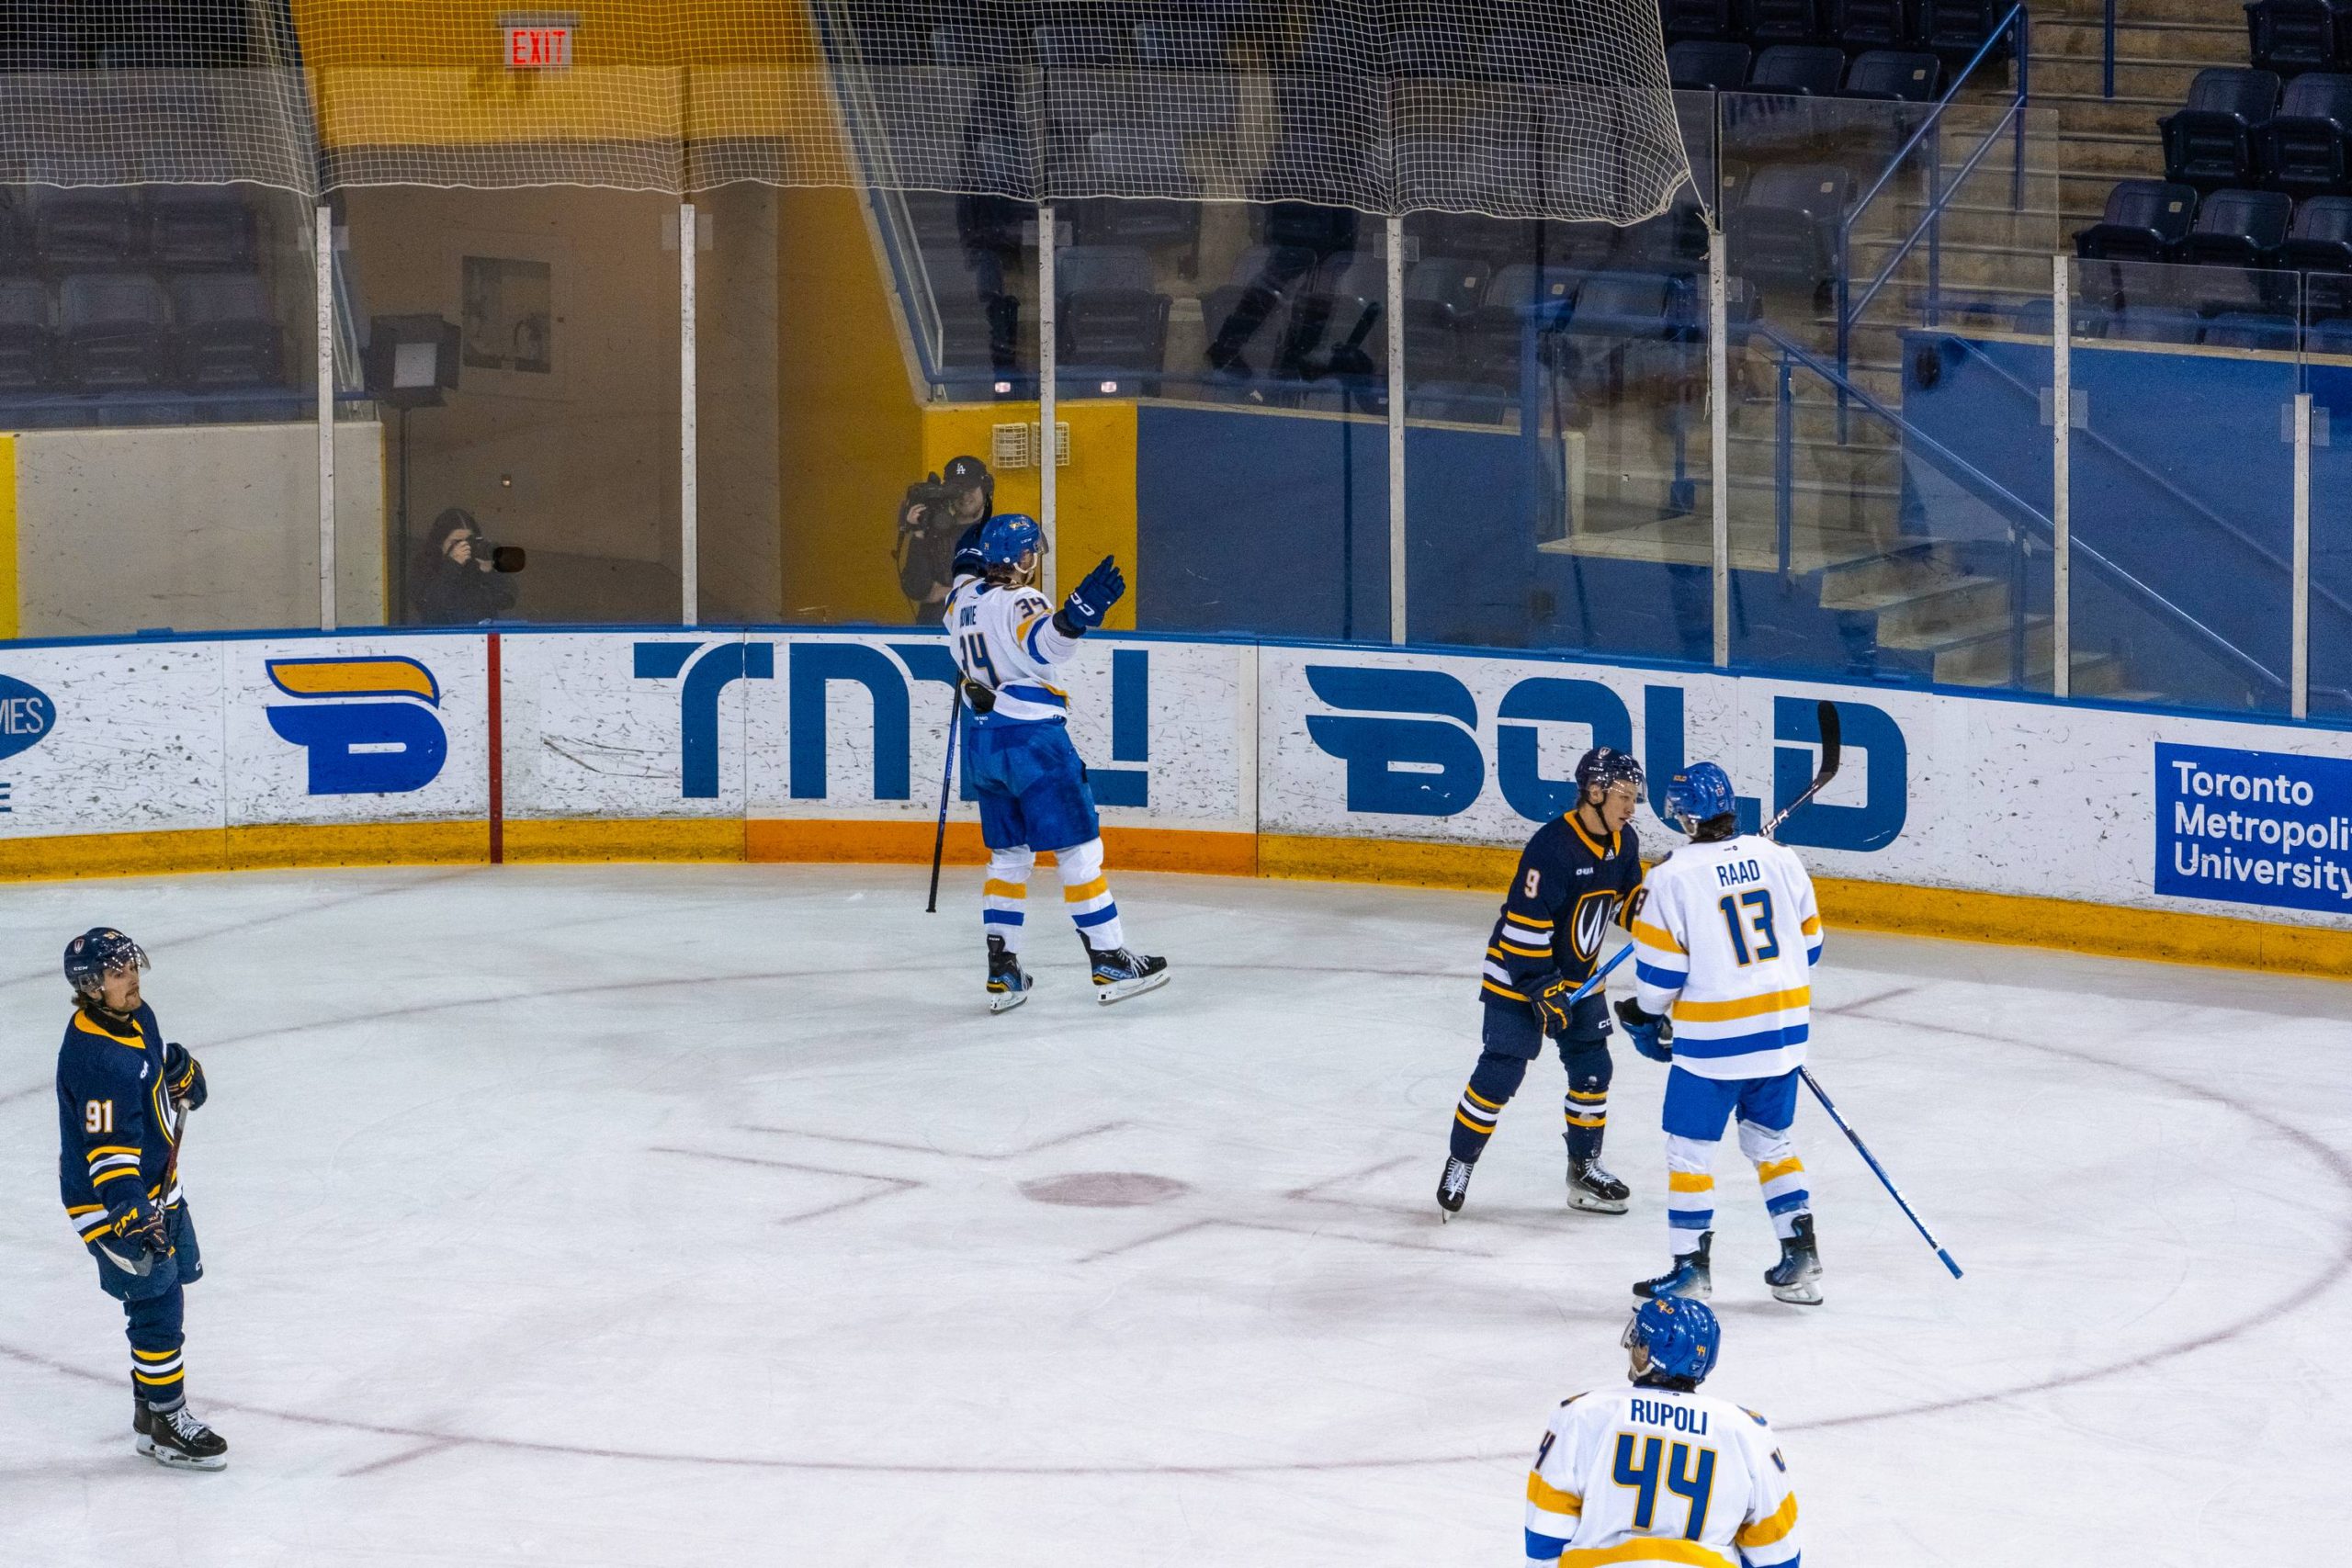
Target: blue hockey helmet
<point x="1009" y="536"/>
<point x="1699" y="792"/>
<point x="1604" y="767"/>
<point x="98" y="952"/>
<point x="1678" y="1338"/>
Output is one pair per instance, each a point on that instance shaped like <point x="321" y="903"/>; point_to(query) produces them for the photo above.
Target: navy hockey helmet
<point x="1699" y="792"/>
<point x="1604" y="767"/>
<point x="98" y="952"/>
<point x="1009" y="536"/>
<point x="1678" y="1338"/>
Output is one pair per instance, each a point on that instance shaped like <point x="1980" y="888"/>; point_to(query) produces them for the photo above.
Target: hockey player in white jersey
<point x="1658" y="1473"/>
<point x="1727" y="945"/>
<point x="1032" y="787"/>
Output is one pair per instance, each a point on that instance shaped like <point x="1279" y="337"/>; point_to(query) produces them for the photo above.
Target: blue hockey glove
<point x="1091" y="600"/>
<point x="1652" y="1034"/>
<point x="183" y="1077"/>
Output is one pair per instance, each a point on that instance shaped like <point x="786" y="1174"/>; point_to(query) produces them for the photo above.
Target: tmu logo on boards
<point x="372" y="726"/>
<point x="2254" y="826"/>
<point x="886" y="676"/>
<point x="1412" y="740"/>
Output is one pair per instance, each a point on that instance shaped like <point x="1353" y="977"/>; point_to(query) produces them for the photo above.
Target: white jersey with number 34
<point x="1727" y="942"/>
<point x="1637" y="1477"/>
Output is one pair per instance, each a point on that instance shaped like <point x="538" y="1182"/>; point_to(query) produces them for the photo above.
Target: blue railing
<point x="2013" y="27"/>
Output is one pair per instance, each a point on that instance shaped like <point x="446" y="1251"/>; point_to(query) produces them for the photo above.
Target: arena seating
<point x="2210" y="141"/>
<point x="2291" y="35"/>
<point x="2145" y="221"/>
<point x="2239" y="228"/>
<point x="2307" y="146"/>
<point x="2320" y="237"/>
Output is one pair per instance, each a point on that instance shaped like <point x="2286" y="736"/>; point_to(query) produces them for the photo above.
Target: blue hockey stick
<point x="1878" y="1170"/>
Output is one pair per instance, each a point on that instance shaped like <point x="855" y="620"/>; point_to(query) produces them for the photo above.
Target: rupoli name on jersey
<point x="2254" y="826"/>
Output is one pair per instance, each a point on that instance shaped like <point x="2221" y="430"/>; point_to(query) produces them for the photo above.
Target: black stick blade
<point x="1830" y="744"/>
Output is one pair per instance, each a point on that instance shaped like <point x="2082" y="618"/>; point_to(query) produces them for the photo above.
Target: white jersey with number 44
<point x="1727" y="942"/>
<point x="1653" y="1476"/>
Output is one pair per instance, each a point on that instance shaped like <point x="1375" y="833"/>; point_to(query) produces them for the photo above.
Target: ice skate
<point x="1593" y="1190"/>
<point x="1120" y="974"/>
<point x="177" y="1441"/>
<point x="1797" y="1276"/>
<point x="1688" y="1277"/>
<point x="1452" y="1186"/>
<point x="1008" y="982"/>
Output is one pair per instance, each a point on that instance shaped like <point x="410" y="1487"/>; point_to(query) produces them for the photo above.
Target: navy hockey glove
<point x="137" y="1219"/>
<point x="1554" y="1009"/>
<point x="1651" y="1033"/>
<point x="183" y="1077"/>
<point x="1091" y="600"/>
<point x="967" y="561"/>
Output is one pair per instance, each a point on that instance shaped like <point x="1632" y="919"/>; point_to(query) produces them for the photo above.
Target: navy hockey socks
<point x="1492" y="1083"/>
<point x="1586" y="1106"/>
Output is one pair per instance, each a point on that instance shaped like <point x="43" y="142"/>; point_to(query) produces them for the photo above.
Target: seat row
<point x="2291" y="35"/>
<point x="2242" y="127"/>
<point x="2157" y="220"/>
<point x="1953" y="30"/>
<point x="113" y="331"/>
<point x="1724" y="65"/>
<point x="176" y="227"/>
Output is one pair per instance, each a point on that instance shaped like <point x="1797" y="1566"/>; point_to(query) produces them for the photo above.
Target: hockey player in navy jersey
<point x="1578" y="874"/>
<point x="122" y="1094"/>
<point x="1008" y="640"/>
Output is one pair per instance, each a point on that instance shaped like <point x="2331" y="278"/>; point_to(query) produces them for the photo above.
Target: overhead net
<point x="1555" y="108"/>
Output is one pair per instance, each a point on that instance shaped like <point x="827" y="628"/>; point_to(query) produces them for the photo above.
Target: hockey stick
<point x="1830" y="750"/>
<point x="1877" y="1169"/>
<point x="946" y="782"/>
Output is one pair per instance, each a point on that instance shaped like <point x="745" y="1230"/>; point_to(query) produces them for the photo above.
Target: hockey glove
<point x="1652" y="1034"/>
<point x="183" y="1077"/>
<point x="140" y="1222"/>
<point x="968" y="561"/>
<point x="1091" y="600"/>
<point x="1555" y="1004"/>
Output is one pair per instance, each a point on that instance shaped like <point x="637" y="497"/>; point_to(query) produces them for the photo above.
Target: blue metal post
<point x="2110" y="88"/>
<point x="1936" y="232"/>
<point x="1845" y="322"/>
<point x="2023" y="36"/>
<point x="1784" y="459"/>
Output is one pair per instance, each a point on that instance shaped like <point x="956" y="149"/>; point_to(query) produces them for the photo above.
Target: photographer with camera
<point x="937" y="512"/>
<point x="459" y="578"/>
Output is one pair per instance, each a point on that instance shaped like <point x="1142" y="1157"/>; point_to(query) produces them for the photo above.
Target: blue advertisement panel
<point x="2253" y="828"/>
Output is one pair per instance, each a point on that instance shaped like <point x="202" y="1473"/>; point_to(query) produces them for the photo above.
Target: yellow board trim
<point x="1951" y="913"/>
<point x="10" y="616"/>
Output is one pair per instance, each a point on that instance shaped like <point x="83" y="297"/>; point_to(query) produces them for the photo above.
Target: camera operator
<point x="459" y="578"/>
<point x="937" y="512"/>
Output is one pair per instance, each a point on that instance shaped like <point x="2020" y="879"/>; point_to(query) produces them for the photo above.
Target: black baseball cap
<point x="965" y="473"/>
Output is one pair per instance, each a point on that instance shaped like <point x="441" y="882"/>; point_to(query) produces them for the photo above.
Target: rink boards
<point x="1963" y="814"/>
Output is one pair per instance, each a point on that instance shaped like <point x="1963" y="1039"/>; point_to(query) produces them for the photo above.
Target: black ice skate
<point x="1797" y="1276"/>
<point x="1593" y="1190"/>
<point x="1688" y="1277"/>
<point x="1008" y="982"/>
<point x="1120" y="974"/>
<point x="1452" y="1186"/>
<point x="177" y="1441"/>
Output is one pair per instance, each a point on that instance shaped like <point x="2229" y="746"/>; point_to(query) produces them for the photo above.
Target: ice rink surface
<point x="641" y="1215"/>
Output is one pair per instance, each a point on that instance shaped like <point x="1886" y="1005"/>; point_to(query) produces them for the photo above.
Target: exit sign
<point x="538" y="46"/>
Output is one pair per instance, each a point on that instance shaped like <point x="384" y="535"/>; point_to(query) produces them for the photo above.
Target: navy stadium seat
<point x="115" y="331"/>
<point x="2239" y="228"/>
<point x="1785" y="227"/>
<point x="1133" y="158"/>
<point x="1809" y="70"/>
<point x="2208" y="142"/>
<point x="1441" y="295"/>
<point x="199" y="226"/>
<point x="1708" y="65"/>
<point x="223" y="333"/>
<point x="2319" y="239"/>
<point x="2251" y="329"/>
<point x="2307" y="146"/>
<point x="1521" y="294"/>
<point x="2332" y="336"/>
<point x="82" y="230"/>
<point x="2152" y="323"/>
<point x="1784" y="21"/>
<point x="1899" y="75"/>
<point x="2145" y="221"/>
<point x="1956" y="29"/>
<point x="2289" y="36"/>
<point x="27" y="335"/>
<point x="1697" y="18"/>
<point x="1111" y="314"/>
<point x="16" y="231"/>
<point x="1874" y="24"/>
